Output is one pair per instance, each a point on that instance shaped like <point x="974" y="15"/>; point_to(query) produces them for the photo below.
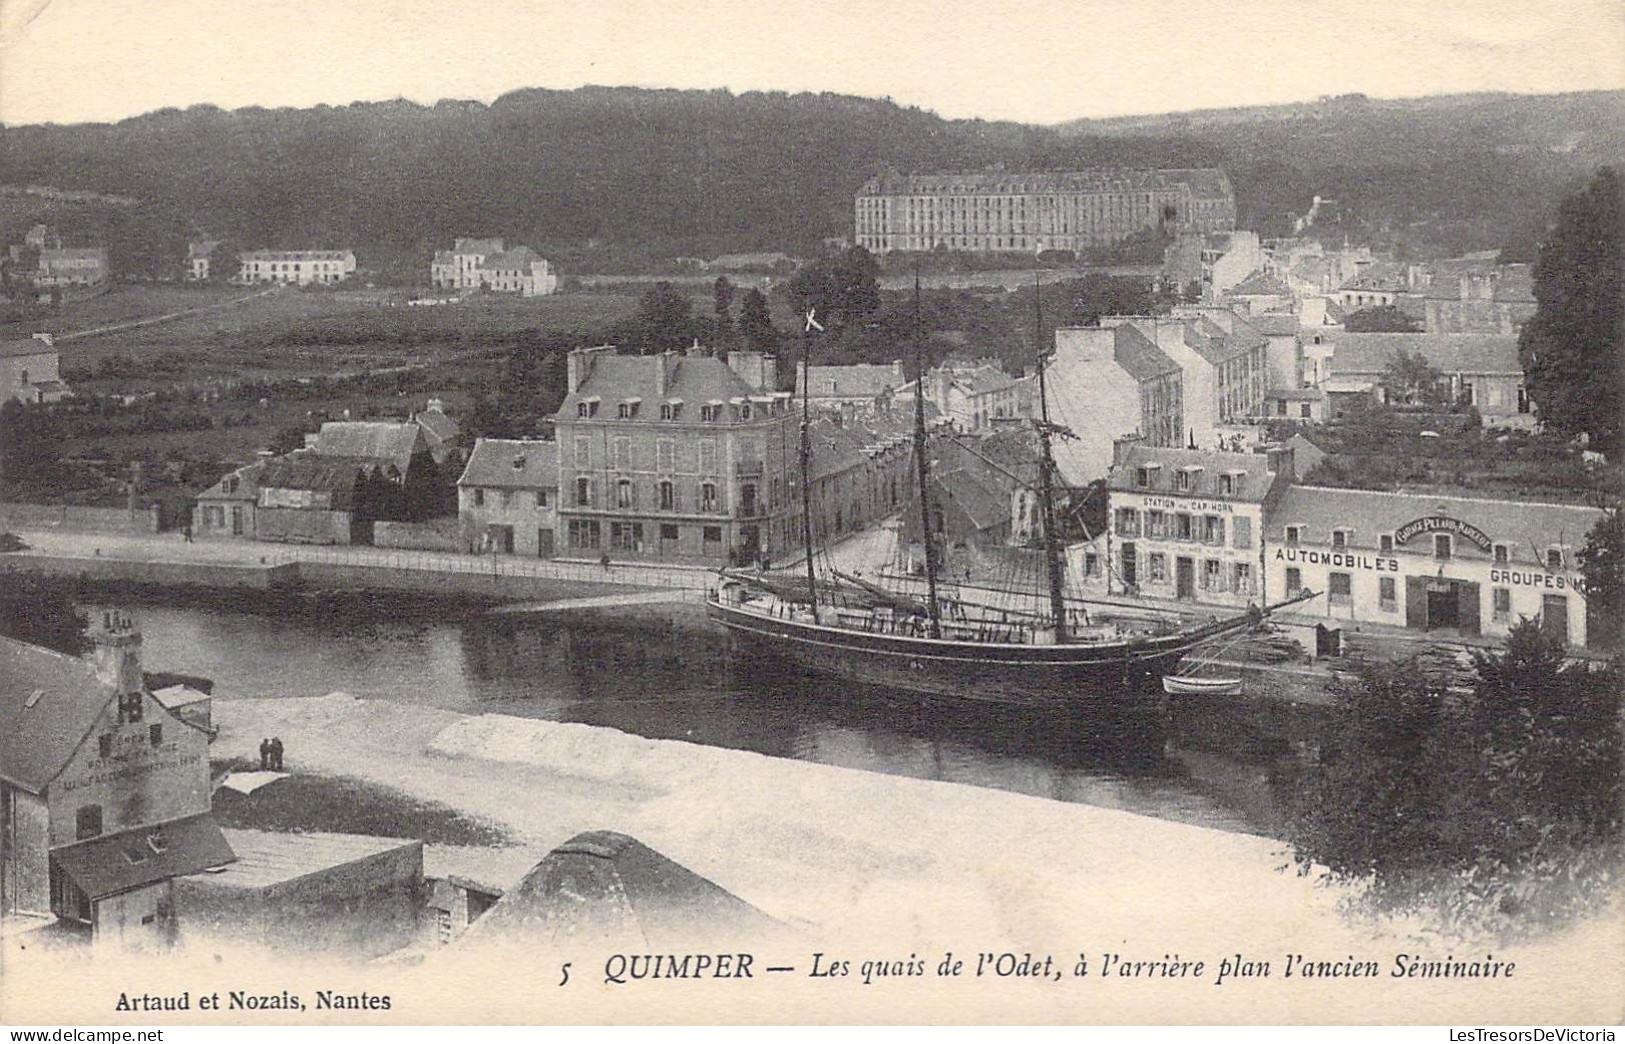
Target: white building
<point x="488" y="264"/>
<point x="459" y="267"/>
<point x="508" y="496"/>
<point x="1430" y="562"/>
<point x="29" y="371"/>
<point x="300" y="267"/>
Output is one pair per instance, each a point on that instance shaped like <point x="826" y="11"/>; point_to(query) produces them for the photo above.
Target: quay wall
<point x="78" y="518"/>
<point x="228" y="576"/>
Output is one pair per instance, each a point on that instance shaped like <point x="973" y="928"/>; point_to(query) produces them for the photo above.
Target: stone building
<point x="1480" y="369"/>
<point x="996" y="211"/>
<point x="104" y="792"/>
<point x="1216" y="261"/>
<point x="1224" y="365"/>
<point x="861" y="467"/>
<point x="859" y="386"/>
<point x="459" y="267"/>
<point x="299" y="267"/>
<point x="508" y="496"/>
<point x="1107" y="382"/>
<point x="1478" y="299"/>
<point x="29" y="371"/>
<point x="1184" y="524"/>
<point x="488" y="264"/>
<point x="975" y="397"/>
<point x="227" y="508"/>
<point x="1430" y="562"/>
<point x="677" y="457"/>
<point x="200" y="258"/>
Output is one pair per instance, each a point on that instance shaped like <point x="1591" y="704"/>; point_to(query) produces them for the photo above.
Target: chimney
<point x="116" y="653"/>
<point x="751" y="368"/>
<point x="665" y="372"/>
<point x="770" y="374"/>
<point x="897" y="372"/>
<point x="1283" y="461"/>
<point x="578" y="365"/>
<point x="437" y="405"/>
<point x="1122" y="444"/>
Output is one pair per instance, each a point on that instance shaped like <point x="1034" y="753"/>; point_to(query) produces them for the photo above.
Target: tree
<point x="722" y="298"/>
<point x="30" y="444"/>
<point x="844" y="288"/>
<point x="1602" y="566"/>
<point x="42" y="611"/>
<point x="1571" y="349"/>
<point x="664" y="321"/>
<point x="1382" y="319"/>
<point x="1411" y="380"/>
<point x="756" y="324"/>
<point x="1490" y="807"/>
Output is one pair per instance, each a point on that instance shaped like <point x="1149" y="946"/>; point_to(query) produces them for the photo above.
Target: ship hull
<point x="1040" y="677"/>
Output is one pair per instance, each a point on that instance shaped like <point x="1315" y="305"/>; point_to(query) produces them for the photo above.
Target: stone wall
<point x="78" y="517"/>
<point x="439" y="535"/>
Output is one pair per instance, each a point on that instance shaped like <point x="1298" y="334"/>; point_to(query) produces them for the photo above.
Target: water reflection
<point x="669" y="675"/>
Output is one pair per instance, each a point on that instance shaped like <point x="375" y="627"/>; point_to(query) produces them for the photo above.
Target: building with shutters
<point x="1428" y="562"/>
<point x="677" y="457"/>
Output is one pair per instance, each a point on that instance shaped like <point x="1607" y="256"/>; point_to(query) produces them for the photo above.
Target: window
<point x="1158" y="566"/>
<point x="1091" y="564"/>
<point x="708" y="496"/>
<point x="1554" y="558"/>
<point x="155" y="734"/>
<point x="1387" y="599"/>
<point x="1212" y="529"/>
<point x="1340" y="539"/>
<point x="1304" y="409"/>
<point x="1501" y="603"/>
<point x="1500" y="554"/>
<point x="712" y="535"/>
<point x="1441" y="545"/>
<point x="1142" y="477"/>
<point x="628" y="410"/>
<point x="668" y="496"/>
<point x="87" y="822"/>
<point x="624" y="497"/>
<point x="623" y="454"/>
<point x="710" y="412"/>
<point x="1182" y="480"/>
<point x="583" y="452"/>
<point x="479" y="498"/>
<point x="584" y="534"/>
<point x="1294" y="580"/>
<point x="1385" y="543"/>
<point x="1156" y="524"/>
<point x="626" y="536"/>
<point x="541" y="498"/>
<point x="1212" y="574"/>
<point x="104" y="745"/>
<point x="581" y="409"/>
<point x="1227" y="484"/>
<point x="1244" y="531"/>
<point x="1340" y="588"/>
<point x="668" y="411"/>
<point x="507" y="498"/>
<point x="1292" y="535"/>
<point x="583" y="492"/>
<point x="1128" y="522"/>
<point x="668" y="531"/>
<point x="129" y="707"/>
<point x="1242" y="576"/>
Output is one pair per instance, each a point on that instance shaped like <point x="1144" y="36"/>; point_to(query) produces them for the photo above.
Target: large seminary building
<point x="1062" y="210"/>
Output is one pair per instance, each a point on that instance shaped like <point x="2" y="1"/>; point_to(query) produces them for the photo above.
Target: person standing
<point x="276" y="753"/>
<point x="265" y="754"/>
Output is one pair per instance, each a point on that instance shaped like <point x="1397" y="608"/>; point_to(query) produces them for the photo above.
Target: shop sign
<point x="1443" y="524"/>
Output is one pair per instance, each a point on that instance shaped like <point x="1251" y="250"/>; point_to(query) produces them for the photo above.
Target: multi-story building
<point x="199" y="255"/>
<point x="300" y="267"/>
<point x="976" y="396"/>
<point x="474" y="264"/>
<point x="104" y="791"/>
<point x="1477" y="299"/>
<point x="1107" y="382"/>
<point x="1224" y="364"/>
<point x="677" y="457"/>
<point x="1430" y="562"/>
<point x="995" y="211"/>
<point x="862" y="387"/>
<point x="508" y="496"/>
<point x="29" y="371"/>
<point x="1215" y="261"/>
<point x="1185" y="524"/>
<point x="71" y="266"/>
<point x="861" y="468"/>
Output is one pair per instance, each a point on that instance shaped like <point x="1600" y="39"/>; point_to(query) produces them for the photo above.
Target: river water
<point x="665" y="673"/>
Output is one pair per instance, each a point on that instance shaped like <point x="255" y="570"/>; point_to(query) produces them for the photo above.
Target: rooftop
<point x="266" y="858"/>
<point x="49" y="702"/>
<point x="1371" y="353"/>
<point x="391" y="442"/>
<point x="513" y="464"/>
<point x="693" y="379"/>
<point x="860" y="380"/>
<point x="1203" y="468"/>
<point x="1205" y="182"/>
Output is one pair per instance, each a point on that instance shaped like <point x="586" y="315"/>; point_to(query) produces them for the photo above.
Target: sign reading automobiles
<point x="1443" y="524"/>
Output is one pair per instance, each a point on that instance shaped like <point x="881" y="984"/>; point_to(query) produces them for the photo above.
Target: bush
<point x="1495" y="810"/>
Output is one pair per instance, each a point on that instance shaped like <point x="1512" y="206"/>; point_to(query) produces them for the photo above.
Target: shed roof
<point x="312" y="473"/>
<point x="267" y="858"/>
<point x="117" y="863"/>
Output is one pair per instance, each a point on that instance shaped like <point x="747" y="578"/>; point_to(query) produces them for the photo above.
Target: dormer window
<point x="1340" y="539"/>
<point x="582" y="410"/>
<point x="1385" y="543"/>
<point x="129" y="707"/>
<point x="670" y="410"/>
<point x="1292" y="535"/>
<point x="1142" y="477"/>
<point x="1554" y="559"/>
<point x="744" y="411"/>
<point x="629" y="409"/>
<point x="1182" y="480"/>
<point x="1501" y="555"/>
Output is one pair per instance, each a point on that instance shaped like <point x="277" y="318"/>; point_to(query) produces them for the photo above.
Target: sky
<point x="1039" y="61"/>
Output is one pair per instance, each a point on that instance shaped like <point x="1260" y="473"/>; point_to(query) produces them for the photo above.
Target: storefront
<point x="1429" y="563"/>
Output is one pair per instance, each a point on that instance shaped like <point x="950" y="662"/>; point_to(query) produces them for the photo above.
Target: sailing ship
<point x="1056" y="653"/>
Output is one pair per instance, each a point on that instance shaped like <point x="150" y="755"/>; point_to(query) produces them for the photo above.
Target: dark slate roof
<point x="1274" y="324"/>
<point x="312" y="472"/>
<point x="115" y="863"/>
<point x="1527" y="526"/>
<point x="1259" y="282"/>
<point x="606" y="886"/>
<point x="1306" y="456"/>
<point x="1378" y="275"/>
<point x="466" y="245"/>
<point x="695" y="379"/>
<point x="519" y="258"/>
<point x="1204" y="182"/>
<point x="1124" y="476"/>
<point x="1370" y="353"/>
<point x="248" y="485"/>
<point x="37" y="740"/>
<point x="1139" y="356"/>
<point x="513" y="464"/>
<point x="387" y="442"/>
<point x="25" y="346"/>
<point x="1211" y="342"/>
<point x="438" y="426"/>
<point x="980" y="504"/>
<point x="861" y="379"/>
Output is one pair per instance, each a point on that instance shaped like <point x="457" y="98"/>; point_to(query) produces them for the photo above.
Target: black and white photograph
<point x="1069" y="512"/>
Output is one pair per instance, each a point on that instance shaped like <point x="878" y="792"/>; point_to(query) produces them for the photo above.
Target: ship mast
<point x="927" y="537"/>
<point x="806" y="455"/>
<point x="1046" y="481"/>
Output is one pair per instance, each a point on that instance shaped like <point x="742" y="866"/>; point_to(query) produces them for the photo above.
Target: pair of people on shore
<point x="271" y="754"/>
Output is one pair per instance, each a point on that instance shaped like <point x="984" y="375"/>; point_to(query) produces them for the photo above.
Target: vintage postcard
<point x="1050" y="512"/>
